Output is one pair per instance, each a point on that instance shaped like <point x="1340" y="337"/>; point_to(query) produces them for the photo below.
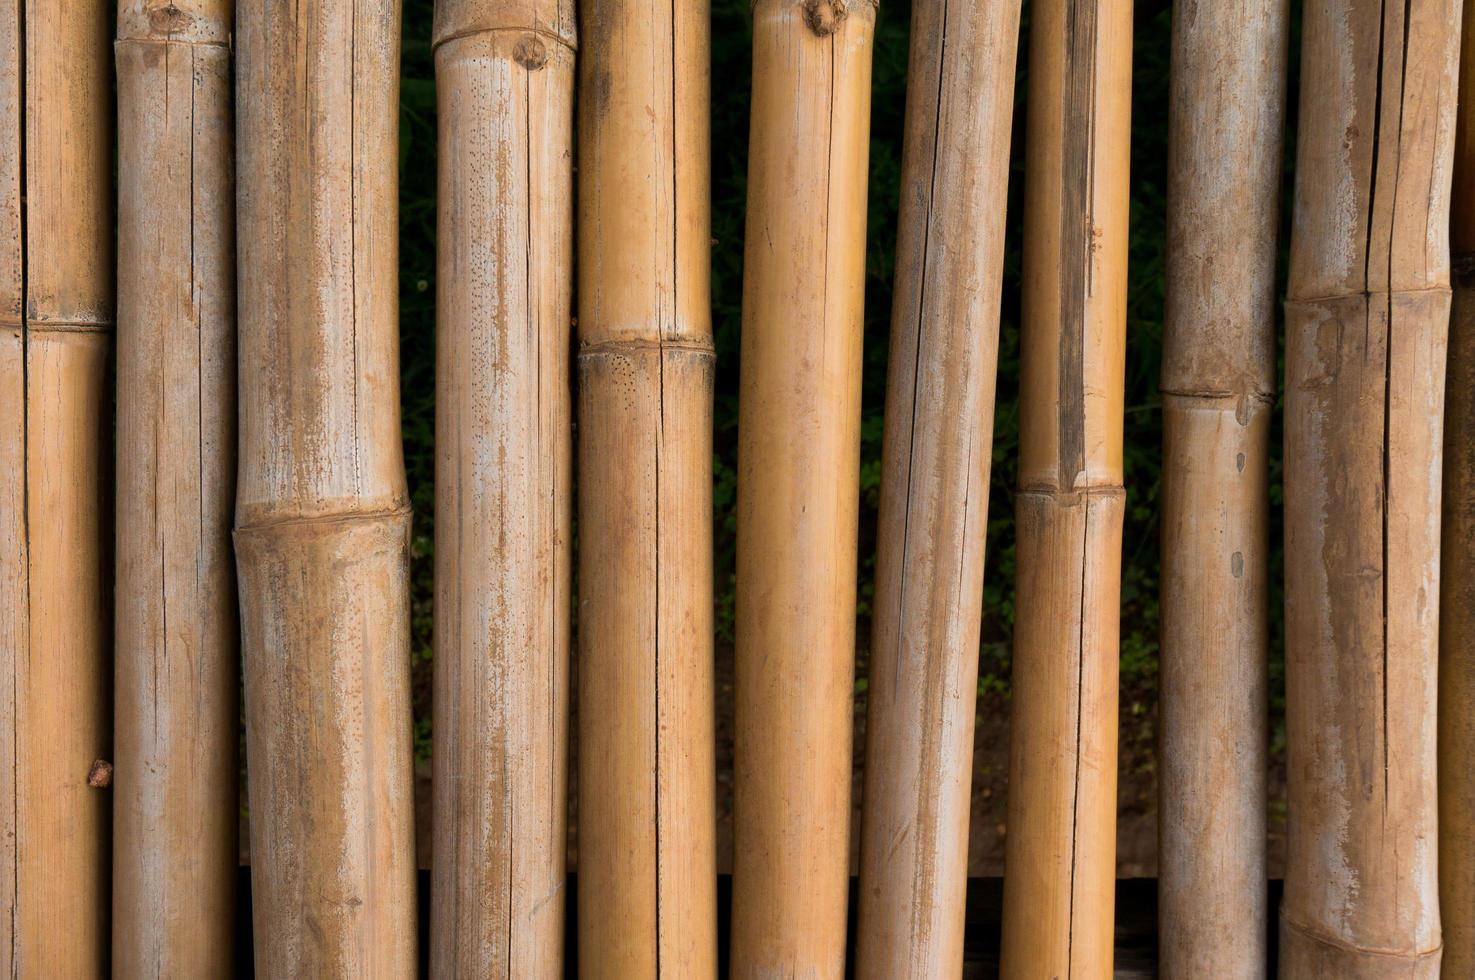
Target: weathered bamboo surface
<point x="56" y="313"/>
<point x="176" y="812"/>
<point x="505" y="74"/>
<point x="647" y="819"/>
<point x="798" y="476"/>
<point x="1218" y="384"/>
<point x="321" y="511"/>
<point x="1457" y="554"/>
<point x="1367" y="313"/>
<point x="934" y="490"/>
<point x="1060" y="853"/>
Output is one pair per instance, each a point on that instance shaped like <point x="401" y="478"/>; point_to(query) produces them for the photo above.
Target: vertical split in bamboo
<point x="1218" y="384"/>
<point x="56" y="310"/>
<point x="799" y="447"/>
<point x="1457" y="554"/>
<point x="1060" y="855"/>
<point x="923" y="692"/>
<point x="505" y="75"/>
<point x="176" y="815"/>
<point x="1366" y="323"/>
<point x="322" y="515"/>
<point x="647" y="862"/>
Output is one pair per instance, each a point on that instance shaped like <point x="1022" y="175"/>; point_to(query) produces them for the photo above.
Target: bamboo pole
<point x="505" y="75"/>
<point x="647" y="819"/>
<point x="923" y="694"/>
<point x="1457" y="554"/>
<point x="1366" y="317"/>
<point x="1218" y="384"/>
<point x="322" y="515"/>
<point x="175" y="850"/>
<point x="56" y="309"/>
<point x="798" y="478"/>
<point x="1060" y="855"/>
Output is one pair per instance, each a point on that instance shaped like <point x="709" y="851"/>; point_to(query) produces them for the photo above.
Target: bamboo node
<point x="100" y="776"/>
<point x="825" y="16"/>
<point x="530" y="52"/>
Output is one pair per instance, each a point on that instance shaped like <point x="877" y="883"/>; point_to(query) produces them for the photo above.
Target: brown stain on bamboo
<point x="922" y="696"/>
<point x="1367" y="312"/>
<point x="176" y="812"/>
<point x="322" y="515"/>
<point x="505" y="76"/>
<point x="1218" y="384"/>
<point x="1457" y="553"/>
<point x="56" y="309"/>
<point x="798" y="473"/>
<point x="647" y="814"/>
<point x="1060" y="852"/>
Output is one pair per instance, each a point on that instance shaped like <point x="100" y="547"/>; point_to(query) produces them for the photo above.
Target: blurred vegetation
<point x="731" y="64"/>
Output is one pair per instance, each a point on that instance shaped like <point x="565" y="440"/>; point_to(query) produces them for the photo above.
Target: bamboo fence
<point x="56" y="319"/>
<point x="1366" y="321"/>
<point x="647" y="901"/>
<point x="175" y="849"/>
<point x="1218" y="387"/>
<point x="922" y="694"/>
<point x="322" y="516"/>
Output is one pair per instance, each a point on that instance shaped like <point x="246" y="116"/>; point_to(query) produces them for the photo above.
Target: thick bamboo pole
<point x="1218" y="383"/>
<point x="798" y="459"/>
<point x="647" y="857"/>
<point x="56" y="309"/>
<point x="1457" y="554"/>
<point x="1060" y="856"/>
<point x="1366" y="322"/>
<point x="505" y="73"/>
<point x="321" y="509"/>
<point x="176" y="815"/>
<point x="934" y="489"/>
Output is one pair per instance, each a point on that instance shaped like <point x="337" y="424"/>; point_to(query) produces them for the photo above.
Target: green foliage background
<point x="731" y="66"/>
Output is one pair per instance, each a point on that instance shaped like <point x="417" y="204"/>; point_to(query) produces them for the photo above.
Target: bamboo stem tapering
<point x="1457" y="553"/>
<point x="798" y="476"/>
<point x="1367" y="312"/>
<point x="1060" y="866"/>
<point x="322" y="515"/>
<point x="1218" y="385"/>
<point x="56" y="318"/>
<point x="505" y="75"/>
<point x="922" y="696"/>
<point x="176" y="814"/>
<point x="647" y="863"/>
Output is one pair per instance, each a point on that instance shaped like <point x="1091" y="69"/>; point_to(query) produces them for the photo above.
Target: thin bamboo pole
<point x="1218" y="384"/>
<point x="798" y="478"/>
<point x="505" y="74"/>
<point x="175" y="826"/>
<point x="322" y="518"/>
<point x="647" y="820"/>
<point x="56" y="309"/>
<point x="1060" y="855"/>
<point x="1366" y="317"/>
<point x="1457" y="554"/>
<point x="923" y="694"/>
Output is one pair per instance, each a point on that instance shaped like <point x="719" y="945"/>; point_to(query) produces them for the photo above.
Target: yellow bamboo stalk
<point x="56" y="309"/>
<point x="798" y="476"/>
<point x="1059" y="860"/>
<point x="1366" y="322"/>
<point x="1457" y="554"/>
<point x="647" y="858"/>
<point x="322" y="518"/>
<point x="922" y="696"/>
<point x="505" y="75"/>
<point x="1218" y="383"/>
<point x="176" y="814"/>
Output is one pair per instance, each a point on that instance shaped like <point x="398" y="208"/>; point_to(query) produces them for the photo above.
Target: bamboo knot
<point x="530" y="52"/>
<point x="168" y="19"/>
<point x="100" y="776"/>
<point x="825" y="16"/>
